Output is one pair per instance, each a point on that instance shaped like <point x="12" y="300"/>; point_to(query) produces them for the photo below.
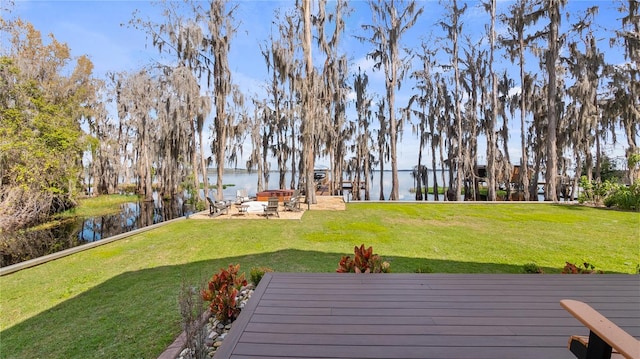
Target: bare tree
<point x="330" y="27"/>
<point x="201" y="43"/>
<point x="277" y="64"/>
<point x="391" y="20"/>
<point x="623" y="99"/>
<point x="308" y="106"/>
<point x="582" y="113"/>
<point x="473" y="82"/>
<point x="551" y="55"/>
<point x="490" y="7"/>
<point x="105" y="161"/>
<point x="453" y="27"/>
<point x="183" y="39"/>
<point x="220" y="23"/>
<point x="136" y="105"/>
<point x="382" y="142"/>
<point x="363" y="134"/>
<point x="255" y="158"/>
<point x="516" y="43"/>
<point x="425" y="114"/>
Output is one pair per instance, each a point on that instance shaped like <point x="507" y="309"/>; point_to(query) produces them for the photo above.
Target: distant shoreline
<point x="243" y="170"/>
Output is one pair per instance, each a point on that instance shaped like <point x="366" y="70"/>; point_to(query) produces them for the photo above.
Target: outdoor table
<point x="242" y="208"/>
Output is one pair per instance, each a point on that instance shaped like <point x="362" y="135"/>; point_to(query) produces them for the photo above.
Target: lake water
<point x="17" y="247"/>
<point x="236" y="180"/>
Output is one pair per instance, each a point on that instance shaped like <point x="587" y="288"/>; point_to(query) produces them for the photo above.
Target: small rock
<point x="217" y="344"/>
<point x="227" y="327"/>
<point x="213" y="335"/>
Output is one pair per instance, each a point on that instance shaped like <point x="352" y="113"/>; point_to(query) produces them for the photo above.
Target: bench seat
<point x="606" y="339"/>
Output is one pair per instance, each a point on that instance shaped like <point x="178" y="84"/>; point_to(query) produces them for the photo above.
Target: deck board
<point x="330" y="315"/>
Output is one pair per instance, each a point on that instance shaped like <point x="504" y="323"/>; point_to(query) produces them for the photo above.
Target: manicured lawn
<point x="120" y="300"/>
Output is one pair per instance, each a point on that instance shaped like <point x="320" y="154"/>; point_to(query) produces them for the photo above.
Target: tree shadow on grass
<point x="135" y="314"/>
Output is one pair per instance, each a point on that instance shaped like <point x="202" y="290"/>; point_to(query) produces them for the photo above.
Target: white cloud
<point x="366" y="64"/>
<point x="515" y="91"/>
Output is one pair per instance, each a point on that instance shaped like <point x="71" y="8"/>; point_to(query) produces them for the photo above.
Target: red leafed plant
<point x="346" y="265"/>
<point x="222" y="292"/>
<point x="587" y="268"/>
<point x="364" y="261"/>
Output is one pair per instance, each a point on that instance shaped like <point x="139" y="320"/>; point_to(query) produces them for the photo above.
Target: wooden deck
<point x="331" y="315"/>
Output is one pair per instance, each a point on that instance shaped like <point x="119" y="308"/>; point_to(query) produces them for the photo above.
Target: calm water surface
<point x="249" y="181"/>
<point x="17" y="247"/>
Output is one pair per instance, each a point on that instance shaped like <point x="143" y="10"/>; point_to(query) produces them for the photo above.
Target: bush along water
<point x="624" y="197"/>
<point x="610" y="194"/>
<point x="364" y="261"/>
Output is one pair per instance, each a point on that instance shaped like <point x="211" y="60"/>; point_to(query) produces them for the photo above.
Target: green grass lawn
<point x="120" y="300"/>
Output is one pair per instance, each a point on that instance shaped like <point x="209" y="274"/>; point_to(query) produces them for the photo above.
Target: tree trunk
<point x="203" y="166"/>
<point x="524" y="161"/>
<point x="459" y="134"/>
<point x="491" y="135"/>
<point x="551" y="174"/>
<point x="436" y="195"/>
<point x="308" y="108"/>
<point x="381" y="177"/>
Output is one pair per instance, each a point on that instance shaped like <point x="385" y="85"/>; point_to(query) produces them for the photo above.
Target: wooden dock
<point x="332" y="315"/>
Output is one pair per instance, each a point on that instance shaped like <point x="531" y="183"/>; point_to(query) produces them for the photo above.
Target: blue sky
<point x="100" y="30"/>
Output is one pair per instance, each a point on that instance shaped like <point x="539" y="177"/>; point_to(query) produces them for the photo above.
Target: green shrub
<point x="200" y="205"/>
<point x="256" y="274"/>
<point x="624" y="197"/>
<point x="222" y="292"/>
<point x="594" y="192"/>
<point x="532" y="268"/>
<point x="364" y="261"/>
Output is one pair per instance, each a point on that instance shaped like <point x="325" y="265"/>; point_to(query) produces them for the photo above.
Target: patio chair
<point x="271" y="207"/>
<point x="242" y="196"/>
<point x="292" y="204"/>
<point x="218" y="208"/>
<point x="605" y="340"/>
